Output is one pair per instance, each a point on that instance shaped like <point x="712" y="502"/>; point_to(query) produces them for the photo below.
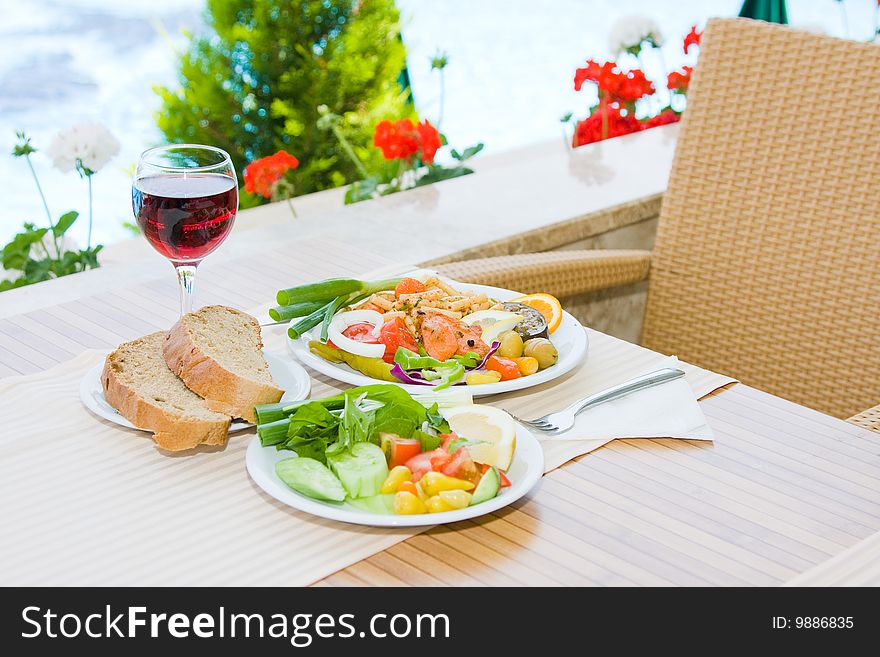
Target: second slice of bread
<point x="217" y="351"/>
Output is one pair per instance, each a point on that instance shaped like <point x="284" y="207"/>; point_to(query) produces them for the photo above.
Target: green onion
<point x="359" y="292"/>
<point x="283" y="313"/>
<point x="330" y="310"/>
<point x="331" y="288"/>
<point x="307" y="323"/>
<point x="273" y="433"/>
<point x="320" y="291"/>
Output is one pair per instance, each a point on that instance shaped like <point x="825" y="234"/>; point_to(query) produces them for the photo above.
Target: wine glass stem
<point x="186" y="276"/>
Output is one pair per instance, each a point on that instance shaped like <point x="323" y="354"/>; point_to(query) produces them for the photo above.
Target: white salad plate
<point x="570" y="340"/>
<point x="525" y="471"/>
<point x="288" y="376"/>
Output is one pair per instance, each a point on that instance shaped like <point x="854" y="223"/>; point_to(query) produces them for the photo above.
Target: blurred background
<point x="169" y="70"/>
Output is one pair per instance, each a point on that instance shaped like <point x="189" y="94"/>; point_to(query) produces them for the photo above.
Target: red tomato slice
<point x="461" y="466"/>
<point x="447" y="438"/>
<point x="403" y="449"/>
<point x="419" y="465"/>
<point x="398" y="450"/>
<point x="394" y="334"/>
<point x="504" y="480"/>
<point x="409" y="286"/>
<point x="439" y="459"/>
<point x="362" y="332"/>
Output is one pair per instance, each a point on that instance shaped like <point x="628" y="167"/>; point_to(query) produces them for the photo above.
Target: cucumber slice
<point x="488" y="487"/>
<point x="382" y="503"/>
<point x="311" y="478"/>
<point x="361" y="469"/>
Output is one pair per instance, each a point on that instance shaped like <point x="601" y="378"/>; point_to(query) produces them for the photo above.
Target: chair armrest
<point x="560" y="273"/>
<point x="869" y="419"/>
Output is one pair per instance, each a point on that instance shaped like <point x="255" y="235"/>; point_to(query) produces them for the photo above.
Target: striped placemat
<point x="88" y="502"/>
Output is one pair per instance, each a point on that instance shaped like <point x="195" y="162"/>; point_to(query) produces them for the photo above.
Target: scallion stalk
<point x="320" y="291"/>
<point x="364" y="289"/>
<point x="331" y="288"/>
<point x="273" y="433"/>
<point x="307" y="323"/>
<point x="283" y="313"/>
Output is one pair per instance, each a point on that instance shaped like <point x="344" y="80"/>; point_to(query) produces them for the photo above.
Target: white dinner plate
<point x="525" y="471"/>
<point x="570" y="340"/>
<point x="288" y="376"/>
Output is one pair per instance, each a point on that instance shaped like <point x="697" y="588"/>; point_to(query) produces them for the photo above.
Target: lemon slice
<point x="493" y="428"/>
<point x="485" y="318"/>
<point x="494" y="332"/>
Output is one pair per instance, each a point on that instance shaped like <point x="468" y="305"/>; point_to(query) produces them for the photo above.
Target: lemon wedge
<point x="492" y="430"/>
<point x="494" y="332"/>
<point x="485" y="318"/>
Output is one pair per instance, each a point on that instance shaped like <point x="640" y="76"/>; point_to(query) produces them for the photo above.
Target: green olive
<point x="542" y="350"/>
<point x="511" y="345"/>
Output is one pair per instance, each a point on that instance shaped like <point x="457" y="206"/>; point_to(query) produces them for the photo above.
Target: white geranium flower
<point x="90" y="143"/>
<point x="47" y="245"/>
<point x="628" y="33"/>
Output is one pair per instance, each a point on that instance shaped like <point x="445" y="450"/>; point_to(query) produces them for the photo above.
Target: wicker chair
<point x="767" y="260"/>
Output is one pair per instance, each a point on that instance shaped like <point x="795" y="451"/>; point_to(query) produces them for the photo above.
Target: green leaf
<point x="470" y="152"/>
<point x="23" y="148"/>
<point x="65" y="222"/>
<point x="436" y="174"/>
<point x="436" y="420"/>
<point x="131" y="227"/>
<point x="356" y="425"/>
<point x="36" y="271"/>
<point x="16" y="253"/>
<point x="429" y="442"/>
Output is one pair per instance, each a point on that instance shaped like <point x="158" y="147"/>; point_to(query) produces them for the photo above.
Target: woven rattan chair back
<point x="767" y="261"/>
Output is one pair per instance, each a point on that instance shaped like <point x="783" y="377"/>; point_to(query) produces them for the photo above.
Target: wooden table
<point x="782" y="490"/>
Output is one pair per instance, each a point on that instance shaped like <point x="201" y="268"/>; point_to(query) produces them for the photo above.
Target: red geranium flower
<point x="402" y="139"/>
<point x="593" y="71"/>
<point x="397" y="140"/>
<point x="429" y="140"/>
<point x="692" y="39"/>
<point x="260" y="176"/>
<point x="613" y="82"/>
<point x="632" y="86"/>
<point x="665" y="117"/>
<point x="680" y="80"/>
<point x="606" y="122"/>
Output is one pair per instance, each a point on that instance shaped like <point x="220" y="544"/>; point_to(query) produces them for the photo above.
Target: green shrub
<point x="253" y="84"/>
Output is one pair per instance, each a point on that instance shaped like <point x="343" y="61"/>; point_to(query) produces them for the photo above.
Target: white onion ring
<point x="343" y="320"/>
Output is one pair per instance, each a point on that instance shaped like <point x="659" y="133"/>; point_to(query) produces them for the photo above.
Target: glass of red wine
<point x="185" y="198"/>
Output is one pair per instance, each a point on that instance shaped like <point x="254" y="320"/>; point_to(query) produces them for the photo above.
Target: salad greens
<point x="444" y="373"/>
<point x="328" y="427"/>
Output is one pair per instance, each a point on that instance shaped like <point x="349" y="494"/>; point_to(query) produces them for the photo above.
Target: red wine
<point x="185" y="217"/>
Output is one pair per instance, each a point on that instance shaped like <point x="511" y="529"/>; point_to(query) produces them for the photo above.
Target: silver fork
<point x="563" y="420"/>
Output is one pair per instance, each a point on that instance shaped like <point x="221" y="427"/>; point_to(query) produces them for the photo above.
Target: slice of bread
<point x="218" y="352"/>
<point x="139" y="385"/>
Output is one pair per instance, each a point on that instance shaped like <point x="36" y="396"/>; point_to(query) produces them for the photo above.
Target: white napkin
<point x="669" y="410"/>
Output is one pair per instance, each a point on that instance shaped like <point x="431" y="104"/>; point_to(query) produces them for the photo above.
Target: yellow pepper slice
<point x="405" y="504"/>
<point x="457" y="499"/>
<point x="437" y="504"/>
<point x="397" y="476"/>
<point x="434" y="482"/>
